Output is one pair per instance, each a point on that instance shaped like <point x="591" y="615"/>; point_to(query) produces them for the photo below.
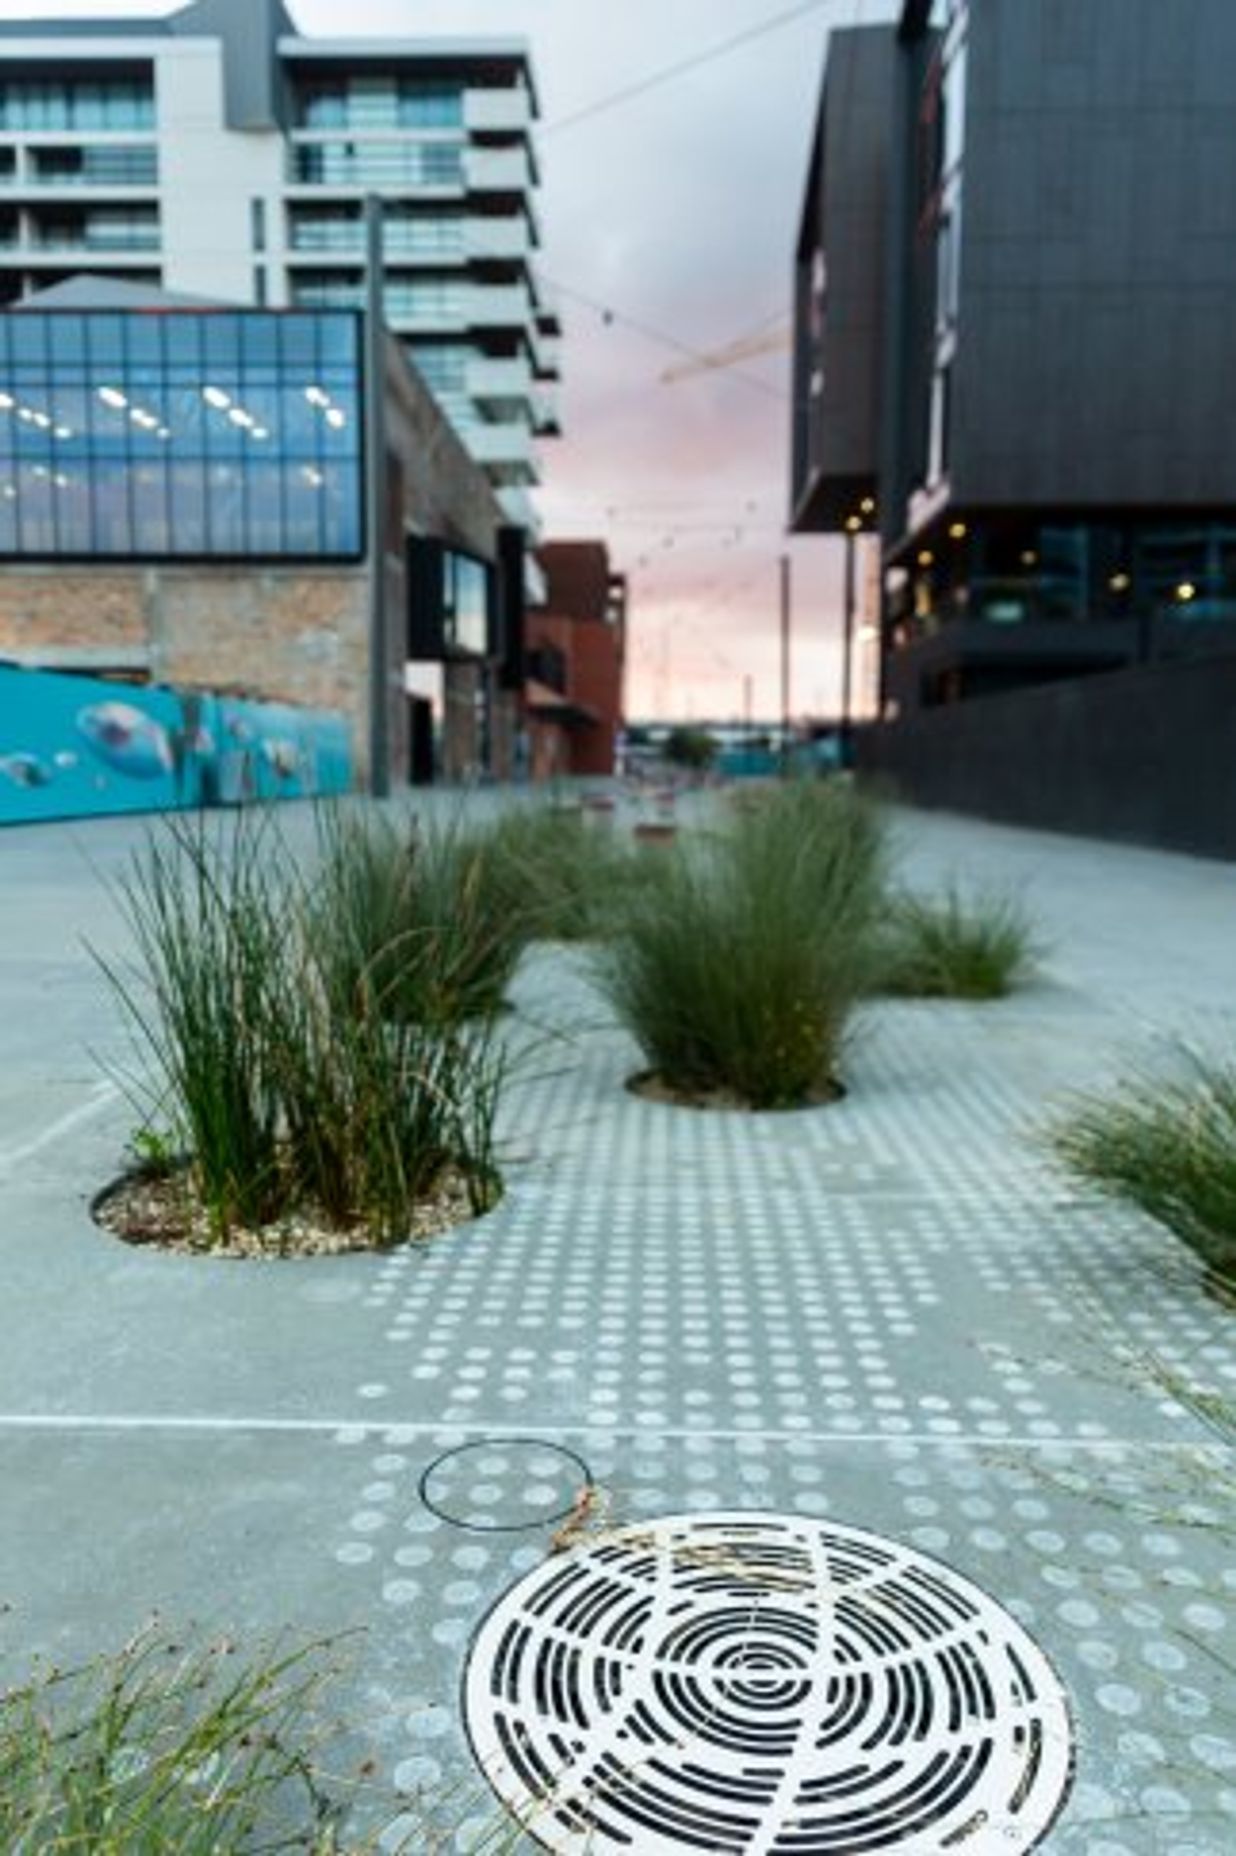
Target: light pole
<point x="852" y="527"/>
<point x="786" y="598"/>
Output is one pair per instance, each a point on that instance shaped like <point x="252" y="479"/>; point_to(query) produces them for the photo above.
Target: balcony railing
<point x="116" y="166"/>
<point x="392" y="165"/>
<point x="498" y="111"/>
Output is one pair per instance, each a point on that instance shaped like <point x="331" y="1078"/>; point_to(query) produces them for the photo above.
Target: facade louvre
<point x="1014" y="277"/>
<point x="153" y="150"/>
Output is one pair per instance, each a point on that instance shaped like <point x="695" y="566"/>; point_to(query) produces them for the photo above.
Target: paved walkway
<point x="888" y="1313"/>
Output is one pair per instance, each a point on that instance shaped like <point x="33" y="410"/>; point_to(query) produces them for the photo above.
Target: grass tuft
<point x="737" y="962"/>
<point x="1167" y="1145"/>
<point x="952" y="946"/>
<point x="168" y="1751"/>
<point x="277" y="1048"/>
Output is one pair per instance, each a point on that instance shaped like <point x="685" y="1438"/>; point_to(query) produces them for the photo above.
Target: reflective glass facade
<point x="378" y="164"/>
<point x="36" y="104"/>
<point x="379" y="102"/>
<point x="466" y="596"/>
<point x="180" y="435"/>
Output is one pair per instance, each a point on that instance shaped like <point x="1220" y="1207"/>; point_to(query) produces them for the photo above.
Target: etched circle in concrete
<point x="505" y="1484"/>
<point x="764" y="1683"/>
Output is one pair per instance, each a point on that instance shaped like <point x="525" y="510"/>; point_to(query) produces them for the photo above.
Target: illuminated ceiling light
<point x="317" y="397"/>
<point x="958" y="531"/>
<point x="314" y="477"/>
<point x="868" y="505"/>
<point x="853" y="524"/>
<point x="926" y="558"/>
<point x="215" y="396"/>
<point x="42" y="421"/>
<point x="1186" y="591"/>
<point x="64" y="431"/>
<point x="61" y="481"/>
<point x="164" y="432"/>
<point x="259" y="431"/>
<point x="25" y="415"/>
<point x="112" y="396"/>
<point x="1119" y="583"/>
<point x="10" y="494"/>
<point x="337" y="418"/>
<point x="7" y="402"/>
<point x="240" y="417"/>
<point x="1029" y="558"/>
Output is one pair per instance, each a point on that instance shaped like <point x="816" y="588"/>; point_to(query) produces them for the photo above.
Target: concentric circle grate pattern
<point x="763" y="1683"/>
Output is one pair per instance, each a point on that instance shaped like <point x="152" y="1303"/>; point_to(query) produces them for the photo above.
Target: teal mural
<point x="73" y="747"/>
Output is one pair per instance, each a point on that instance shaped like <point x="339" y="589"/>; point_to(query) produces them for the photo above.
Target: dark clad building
<point x="1015" y="286"/>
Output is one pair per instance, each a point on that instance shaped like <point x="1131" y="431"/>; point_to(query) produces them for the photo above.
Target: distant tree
<point x="690" y="747"/>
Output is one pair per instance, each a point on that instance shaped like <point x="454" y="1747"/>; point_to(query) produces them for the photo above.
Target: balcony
<point x="489" y="237"/>
<point x="505" y="448"/>
<point x="498" y="170"/>
<point x="498" y="306"/>
<point x="500" y="386"/>
<point x="387" y="166"/>
<point x="114" y="167"/>
<point x="497" y="112"/>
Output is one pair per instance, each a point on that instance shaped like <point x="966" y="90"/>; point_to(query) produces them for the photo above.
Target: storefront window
<point x="180" y="435"/>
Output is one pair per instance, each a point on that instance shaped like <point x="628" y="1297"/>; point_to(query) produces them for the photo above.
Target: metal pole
<point x="847" y="657"/>
<point x="786" y="599"/>
<point x="375" y="483"/>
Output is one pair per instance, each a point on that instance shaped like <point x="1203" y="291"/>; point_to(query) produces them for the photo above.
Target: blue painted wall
<point x="73" y="747"/>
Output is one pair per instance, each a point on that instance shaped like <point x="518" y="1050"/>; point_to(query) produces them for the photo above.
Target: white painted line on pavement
<point x="502" y="1432"/>
<point x="100" y="1096"/>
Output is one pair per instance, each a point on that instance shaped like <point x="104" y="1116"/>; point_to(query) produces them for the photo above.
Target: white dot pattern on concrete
<point x="889" y="1314"/>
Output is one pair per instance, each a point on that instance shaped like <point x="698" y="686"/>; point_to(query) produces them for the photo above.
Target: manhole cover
<point x="759" y="1683"/>
<point x="505" y="1484"/>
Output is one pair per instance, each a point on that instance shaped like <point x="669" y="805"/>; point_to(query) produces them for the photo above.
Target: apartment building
<point x="220" y="154"/>
<point x="1015" y="274"/>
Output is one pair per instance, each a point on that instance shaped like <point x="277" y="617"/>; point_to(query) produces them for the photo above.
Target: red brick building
<point x="576" y="652"/>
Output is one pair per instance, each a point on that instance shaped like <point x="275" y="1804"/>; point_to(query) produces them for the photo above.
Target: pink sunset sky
<point x="673" y="212"/>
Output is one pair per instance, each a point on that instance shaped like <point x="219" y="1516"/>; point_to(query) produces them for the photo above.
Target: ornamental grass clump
<point x="565" y="876"/>
<point x="167" y="1750"/>
<point x="1167" y="1145"/>
<point x="270" y="1051"/>
<point x="203" y="998"/>
<point x="424" y="918"/>
<point x="954" y="946"/>
<point x="737" y="964"/>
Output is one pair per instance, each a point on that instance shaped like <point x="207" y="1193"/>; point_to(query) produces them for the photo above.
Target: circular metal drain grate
<point x="760" y="1683"/>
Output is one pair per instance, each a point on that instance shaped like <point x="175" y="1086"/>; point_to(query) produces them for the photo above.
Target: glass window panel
<point x="299" y="422"/>
<point x="151" y="527"/>
<point x="106" y="335"/>
<point x="298" y="340"/>
<point x="187" y="507"/>
<point x="222" y="345"/>
<point x="341" y="512"/>
<point x="259" y="345"/>
<point x="29" y="340"/>
<point x="339" y="341"/>
<point x="264" y="492"/>
<point x="183" y="344"/>
<point x="68" y="341"/>
<point x="74" y="522"/>
<point x="113" y="531"/>
<point x="8" y="506"/>
<point x="302" y="491"/>
<point x="225" y="508"/>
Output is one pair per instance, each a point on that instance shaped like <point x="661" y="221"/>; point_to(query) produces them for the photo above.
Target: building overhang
<point x="832" y="505"/>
